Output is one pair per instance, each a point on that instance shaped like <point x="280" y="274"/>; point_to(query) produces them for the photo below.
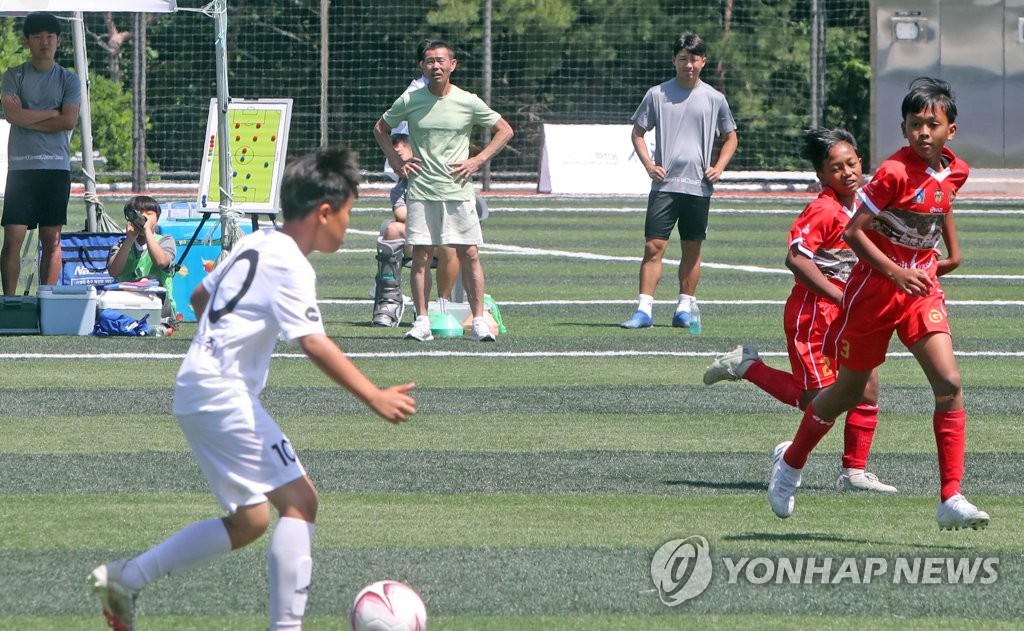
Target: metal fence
<point x="783" y="65"/>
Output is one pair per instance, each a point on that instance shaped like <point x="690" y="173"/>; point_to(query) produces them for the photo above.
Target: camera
<point x="134" y="217"/>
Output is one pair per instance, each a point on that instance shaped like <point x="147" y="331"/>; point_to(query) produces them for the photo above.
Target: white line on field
<point x="515" y="250"/>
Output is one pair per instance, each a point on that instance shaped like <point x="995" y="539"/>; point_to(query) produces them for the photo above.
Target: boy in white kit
<point x="266" y="288"/>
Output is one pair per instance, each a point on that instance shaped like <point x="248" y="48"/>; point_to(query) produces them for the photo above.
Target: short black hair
<point x="691" y="43"/>
<point x="427" y="44"/>
<point x="818" y="142"/>
<point x="40" y="22"/>
<point x="143" y="203"/>
<point x="329" y="174"/>
<point x="397" y="138"/>
<point x="929" y="93"/>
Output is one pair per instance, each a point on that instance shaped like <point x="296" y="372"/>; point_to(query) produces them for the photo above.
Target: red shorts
<point x="806" y="318"/>
<point x="874" y="307"/>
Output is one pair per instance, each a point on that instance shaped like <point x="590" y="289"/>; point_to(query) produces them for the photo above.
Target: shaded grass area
<point x="498" y="473"/>
<point x="513" y="581"/>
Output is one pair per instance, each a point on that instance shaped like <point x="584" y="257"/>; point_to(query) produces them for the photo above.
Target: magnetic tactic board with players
<point x="258" y="146"/>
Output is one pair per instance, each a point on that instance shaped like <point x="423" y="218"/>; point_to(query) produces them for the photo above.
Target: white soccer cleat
<point x="860" y="480"/>
<point x="481" y="331"/>
<point x="420" y="330"/>
<point x="783" y="484"/>
<point x="956" y="513"/>
<point x="731" y="366"/>
<point x="117" y="600"/>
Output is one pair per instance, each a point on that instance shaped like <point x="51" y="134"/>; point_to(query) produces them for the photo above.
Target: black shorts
<point x="37" y="197"/>
<point x="664" y="210"/>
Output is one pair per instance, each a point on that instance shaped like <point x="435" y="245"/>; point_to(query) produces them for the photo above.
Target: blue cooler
<point x="200" y="259"/>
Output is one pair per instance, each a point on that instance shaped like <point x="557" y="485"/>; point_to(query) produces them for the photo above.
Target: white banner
<point x="53" y="6"/>
<point x="592" y="159"/>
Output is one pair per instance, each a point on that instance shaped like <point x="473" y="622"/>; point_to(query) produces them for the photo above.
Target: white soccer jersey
<point x="264" y="290"/>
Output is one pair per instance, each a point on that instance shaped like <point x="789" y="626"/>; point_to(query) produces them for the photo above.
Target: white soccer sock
<point x="684" y="303"/>
<point x="645" y="303"/>
<point x="194" y="545"/>
<point x="289" y="572"/>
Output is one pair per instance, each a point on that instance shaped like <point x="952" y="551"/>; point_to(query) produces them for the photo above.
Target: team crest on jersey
<point x="938" y="196"/>
<point x="919" y="196"/>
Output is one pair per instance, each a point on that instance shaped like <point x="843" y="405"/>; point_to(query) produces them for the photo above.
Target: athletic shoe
<point x="640" y="320"/>
<point x="420" y="330"/>
<point x="731" y="366"/>
<point x="481" y="332"/>
<point x="681" y="320"/>
<point x="859" y="480"/>
<point x="956" y="513"/>
<point x="117" y="600"/>
<point x="783" y="484"/>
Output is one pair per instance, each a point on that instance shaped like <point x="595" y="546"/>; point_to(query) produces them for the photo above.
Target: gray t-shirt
<point x="686" y="123"/>
<point x="47" y="90"/>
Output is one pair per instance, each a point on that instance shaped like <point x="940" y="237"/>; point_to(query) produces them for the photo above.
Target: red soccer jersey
<point x="910" y="201"/>
<point x="818" y="234"/>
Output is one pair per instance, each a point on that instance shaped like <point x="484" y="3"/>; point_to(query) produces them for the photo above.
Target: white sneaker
<point x="860" y="480"/>
<point x="117" y="600"/>
<point x="733" y="365"/>
<point x="420" y="330"/>
<point x="956" y="513"/>
<point x="783" y="484"/>
<point x="481" y="332"/>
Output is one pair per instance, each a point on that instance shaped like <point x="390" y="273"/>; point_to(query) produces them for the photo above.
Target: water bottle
<point x="695" y="327"/>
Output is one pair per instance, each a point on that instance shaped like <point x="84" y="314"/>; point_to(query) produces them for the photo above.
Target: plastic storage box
<point x="67" y="309"/>
<point x="19" y="315"/>
<point x="133" y="304"/>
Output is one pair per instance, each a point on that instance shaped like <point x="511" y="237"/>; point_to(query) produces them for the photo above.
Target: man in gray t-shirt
<point x="41" y="102"/>
<point x="687" y="116"/>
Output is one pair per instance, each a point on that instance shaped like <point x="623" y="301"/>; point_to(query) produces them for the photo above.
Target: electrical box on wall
<point x="975" y="45"/>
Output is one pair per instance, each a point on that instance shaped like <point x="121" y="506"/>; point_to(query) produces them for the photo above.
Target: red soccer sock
<point x="950" y="440"/>
<point x="777" y="383"/>
<point x="812" y="429"/>
<point x="858" y="433"/>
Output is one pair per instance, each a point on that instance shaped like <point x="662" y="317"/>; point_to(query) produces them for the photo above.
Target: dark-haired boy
<point x="265" y="289"/>
<point x="41" y="102"/>
<point x="894" y="288"/>
<point x="687" y="115"/>
<point x="144" y="253"/>
<point x="821" y="262"/>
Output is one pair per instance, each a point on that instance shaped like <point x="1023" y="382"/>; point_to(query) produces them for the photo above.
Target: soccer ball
<point x="388" y="606"/>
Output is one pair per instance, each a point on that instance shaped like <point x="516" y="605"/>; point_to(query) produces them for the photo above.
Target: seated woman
<point x="144" y="253"/>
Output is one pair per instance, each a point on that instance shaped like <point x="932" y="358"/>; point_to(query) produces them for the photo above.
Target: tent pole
<point x="220" y="16"/>
<point x="85" y="114"/>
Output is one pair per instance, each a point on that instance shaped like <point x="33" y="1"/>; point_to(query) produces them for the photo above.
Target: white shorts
<point x="442" y="223"/>
<point x="242" y="452"/>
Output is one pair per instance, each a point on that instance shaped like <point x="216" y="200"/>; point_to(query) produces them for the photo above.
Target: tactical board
<point x="258" y="146"/>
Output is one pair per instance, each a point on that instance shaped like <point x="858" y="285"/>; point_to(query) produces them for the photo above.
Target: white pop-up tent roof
<point x="134" y="6"/>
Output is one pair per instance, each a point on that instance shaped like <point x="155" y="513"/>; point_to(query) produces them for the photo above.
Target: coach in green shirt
<point x="441" y="208"/>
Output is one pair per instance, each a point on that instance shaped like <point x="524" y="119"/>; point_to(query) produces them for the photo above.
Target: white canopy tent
<point x="218" y="10"/>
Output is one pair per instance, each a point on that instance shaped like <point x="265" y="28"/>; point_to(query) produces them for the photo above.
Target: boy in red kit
<point x="821" y="262"/>
<point x="894" y="287"/>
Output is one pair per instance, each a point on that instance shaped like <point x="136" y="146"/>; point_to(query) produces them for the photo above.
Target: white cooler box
<point x="133" y="304"/>
<point x="67" y="309"/>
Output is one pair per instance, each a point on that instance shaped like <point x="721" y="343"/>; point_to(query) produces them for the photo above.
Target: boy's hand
<point x="913" y="281"/>
<point x="394" y="404"/>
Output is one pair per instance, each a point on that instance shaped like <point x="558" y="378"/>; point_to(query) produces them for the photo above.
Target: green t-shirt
<point x="439" y="130"/>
